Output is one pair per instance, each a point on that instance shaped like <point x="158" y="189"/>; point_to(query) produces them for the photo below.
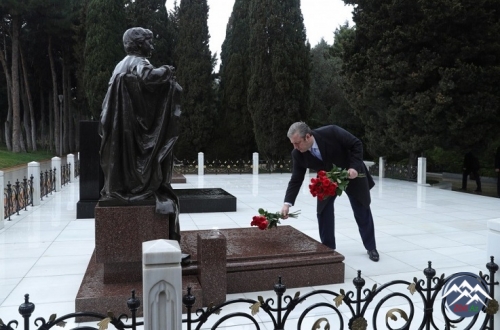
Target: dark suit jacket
<point x="337" y="146"/>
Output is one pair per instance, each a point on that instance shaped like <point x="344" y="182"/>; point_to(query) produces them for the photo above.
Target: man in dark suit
<point x="471" y="166"/>
<point x="320" y="149"/>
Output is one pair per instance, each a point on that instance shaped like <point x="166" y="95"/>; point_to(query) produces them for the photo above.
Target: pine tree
<point x="278" y="92"/>
<point x="105" y="22"/>
<point x="194" y="69"/>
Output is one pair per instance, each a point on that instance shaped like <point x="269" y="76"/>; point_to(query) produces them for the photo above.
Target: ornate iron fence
<point x="228" y="167"/>
<point x="17" y="197"/>
<point x="65" y="174"/>
<point x="278" y="166"/>
<point x="239" y="166"/>
<point x="187" y="167"/>
<point x="47" y="182"/>
<point x="397" y="171"/>
<point x="355" y="304"/>
<point x="344" y="309"/>
<point x="27" y="308"/>
<point x="77" y="168"/>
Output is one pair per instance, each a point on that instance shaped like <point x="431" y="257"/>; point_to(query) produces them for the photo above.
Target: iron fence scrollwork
<point x="276" y="166"/>
<point x="18" y="197"/>
<point x="396" y="171"/>
<point x="340" y="309"/>
<point x="27" y="308"/>
<point x="355" y="304"/>
<point x="186" y="167"/>
<point x="65" y="174"/>
<point x="77" y="168"/>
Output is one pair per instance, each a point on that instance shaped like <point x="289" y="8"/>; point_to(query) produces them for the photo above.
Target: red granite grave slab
<point x="96" y="296"/>
<point x="254" y="255"/>
<point x="254" y="260"/>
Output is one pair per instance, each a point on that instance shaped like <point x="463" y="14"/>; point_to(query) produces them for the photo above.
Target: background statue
<point x="139" y="127"/>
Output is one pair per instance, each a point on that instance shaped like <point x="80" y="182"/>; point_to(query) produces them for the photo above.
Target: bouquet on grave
<point x="267" y="220"/>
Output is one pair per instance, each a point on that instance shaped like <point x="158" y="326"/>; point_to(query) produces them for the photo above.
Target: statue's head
<point x="138" y="41"/>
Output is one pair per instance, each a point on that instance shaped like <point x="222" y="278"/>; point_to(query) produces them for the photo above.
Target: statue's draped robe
<point x="139" y="127"/>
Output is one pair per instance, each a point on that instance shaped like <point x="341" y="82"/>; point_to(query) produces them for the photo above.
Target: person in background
<point x="319" y="149"/>
<point x="471" y="166"/>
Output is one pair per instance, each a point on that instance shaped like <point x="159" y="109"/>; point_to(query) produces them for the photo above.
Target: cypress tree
<point x="105" y="22"/>
<point x="278" y="92"/>
<point x="237" y="139"/>
<point x="328" y="103"/>
<point x="424" y="74"/>
<point x="194" y="69"/>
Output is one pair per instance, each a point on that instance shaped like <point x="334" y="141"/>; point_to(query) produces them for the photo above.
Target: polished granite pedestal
<point x="254" y="260"/>
<point x="200" y="200"/>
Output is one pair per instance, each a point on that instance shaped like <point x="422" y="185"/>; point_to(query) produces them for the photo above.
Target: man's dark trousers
<point x="364" y="219"/>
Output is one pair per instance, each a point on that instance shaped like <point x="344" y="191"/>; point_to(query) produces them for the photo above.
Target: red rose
<point x="263" y="225"/>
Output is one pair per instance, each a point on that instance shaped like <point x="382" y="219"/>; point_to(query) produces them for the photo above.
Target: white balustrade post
<point x="162" y="285"/>
<point x="1" y="201"/>
<point x="422" y="170"/>
<point x="56" y="163"/>
<point x="381" y="168"/>
<point x="34" y="170"/>
<point x="255" y="163"/>
<point x="70" y="159"/>
<point x="201" y="163"/>
<point x="493" y="249"/>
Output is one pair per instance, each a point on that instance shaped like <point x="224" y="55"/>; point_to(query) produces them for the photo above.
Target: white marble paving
<point x="45" y="251"/>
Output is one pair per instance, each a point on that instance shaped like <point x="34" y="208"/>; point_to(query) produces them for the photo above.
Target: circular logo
<point x="465" y="294"/>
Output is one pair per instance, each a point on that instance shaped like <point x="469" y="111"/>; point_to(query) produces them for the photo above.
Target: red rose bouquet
<point x="269" y="220"/>
<point x="331" y="183"/>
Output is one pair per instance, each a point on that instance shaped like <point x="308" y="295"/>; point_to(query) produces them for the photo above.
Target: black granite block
<point x="205" y="200"/>
<point x="91" y="175"/>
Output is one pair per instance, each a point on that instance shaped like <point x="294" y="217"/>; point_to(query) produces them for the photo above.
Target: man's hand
<point x="352" y="173"/>
<point x="285" y="210"/>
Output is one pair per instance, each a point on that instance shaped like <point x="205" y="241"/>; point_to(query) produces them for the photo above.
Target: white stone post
<point x="201" y="163"/>
<point x="381" y="168"/>
<point x="56" y="163"/>
<point x="162" y="285"/>
<point x="1" y="201"/>
<point x="34" y="170"/>
<point x="70" y="159"/>
<point x="494" y="250"/>
<point x="422" y="170"/>
<point x="255" y="163"/>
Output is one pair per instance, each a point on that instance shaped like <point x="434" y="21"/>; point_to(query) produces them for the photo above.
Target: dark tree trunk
<point x="30" y="115"/>
<point x="8" y="122"/>
<point x="16" y="107"/>
<point x="55" y="101"/>
<point x="25" y="122"/>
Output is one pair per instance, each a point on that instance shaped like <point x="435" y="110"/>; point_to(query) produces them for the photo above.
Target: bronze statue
<point x="139" y="127"/>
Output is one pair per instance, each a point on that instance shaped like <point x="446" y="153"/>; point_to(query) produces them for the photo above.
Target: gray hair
<point x="300" y="128"/>
<point x="133" y="37"/>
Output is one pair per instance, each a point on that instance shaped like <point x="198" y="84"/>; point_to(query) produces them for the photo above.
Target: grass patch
<point x="10" y="159"/>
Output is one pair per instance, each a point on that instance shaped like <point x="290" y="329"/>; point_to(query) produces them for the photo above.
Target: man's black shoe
<point x="373" y="255"/>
